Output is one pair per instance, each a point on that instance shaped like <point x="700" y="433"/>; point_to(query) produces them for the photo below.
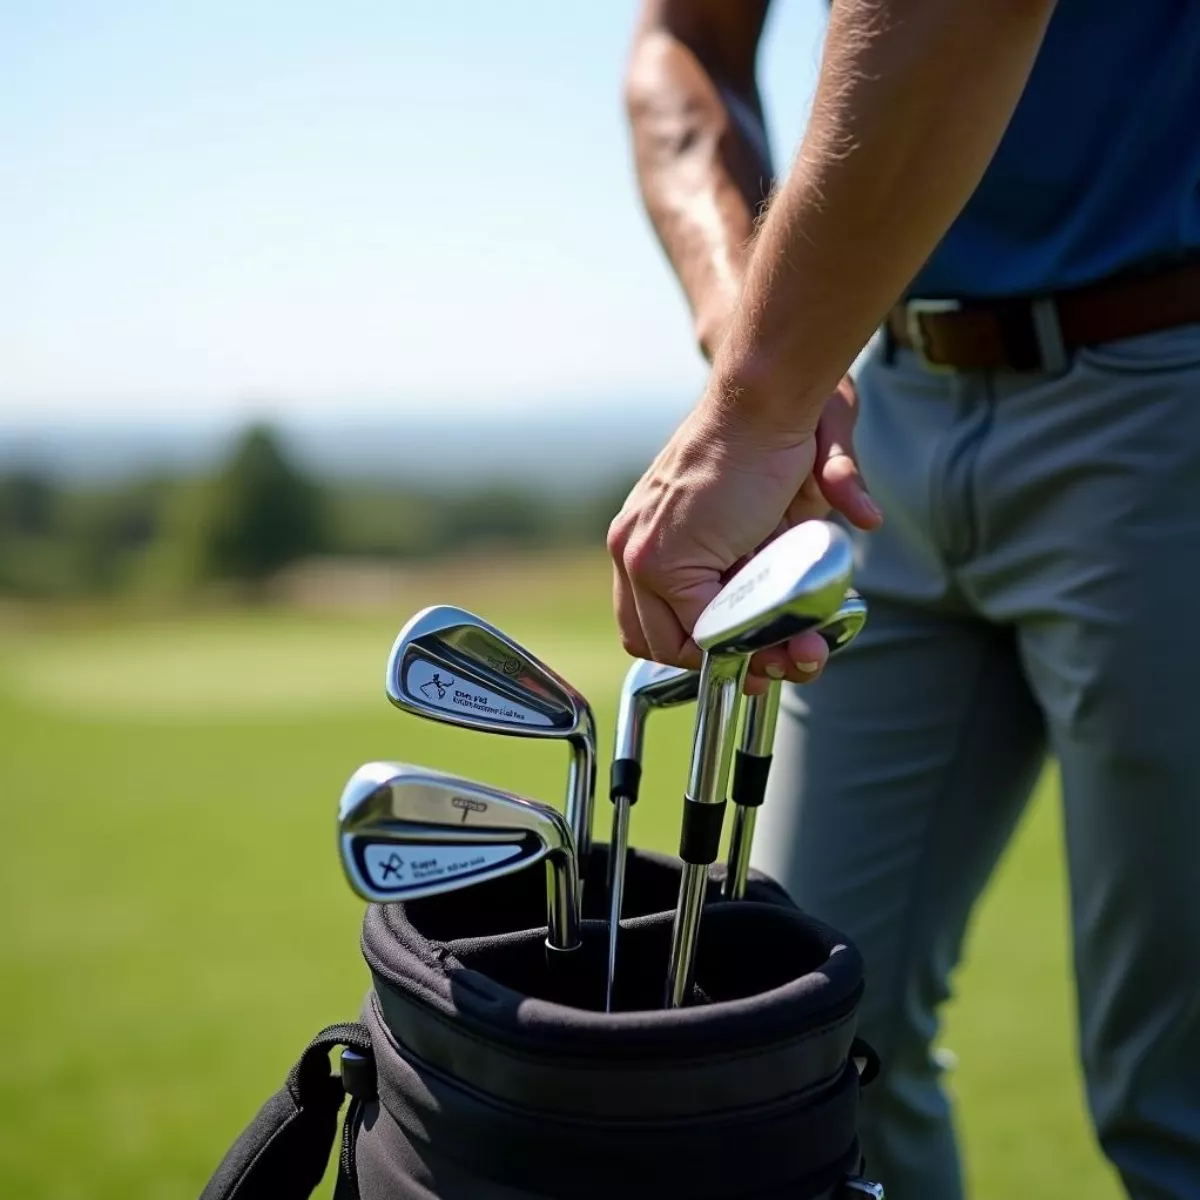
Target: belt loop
<point x="889" y="344"/>
<point x="1048" y="333"/>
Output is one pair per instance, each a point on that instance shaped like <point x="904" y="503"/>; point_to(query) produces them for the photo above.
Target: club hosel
<point x="562" y="910"/>
<point x="720" y="693"/>
<point x="581" y="789"/>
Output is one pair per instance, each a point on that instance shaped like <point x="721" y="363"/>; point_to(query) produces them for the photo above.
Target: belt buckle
<point x="914" y="312"/>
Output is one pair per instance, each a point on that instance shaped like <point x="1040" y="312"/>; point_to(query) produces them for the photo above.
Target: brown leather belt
<point x="1041" y="333"/>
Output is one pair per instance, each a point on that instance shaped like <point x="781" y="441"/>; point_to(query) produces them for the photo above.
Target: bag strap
<point x="282" y="1154"/>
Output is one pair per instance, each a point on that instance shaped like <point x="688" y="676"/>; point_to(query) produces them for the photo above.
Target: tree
<point x="260" y="513"/>
<point x="27" y="503"/>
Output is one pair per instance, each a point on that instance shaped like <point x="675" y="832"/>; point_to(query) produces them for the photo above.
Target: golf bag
<point x="481" y="1070"/>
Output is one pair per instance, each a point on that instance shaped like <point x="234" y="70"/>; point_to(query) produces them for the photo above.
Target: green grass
<point x="175" y="925"/>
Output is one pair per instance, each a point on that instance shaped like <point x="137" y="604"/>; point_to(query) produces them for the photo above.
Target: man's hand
<point x="716" y="494"/>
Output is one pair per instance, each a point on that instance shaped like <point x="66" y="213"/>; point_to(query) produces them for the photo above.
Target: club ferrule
<point x="624" y="780"/>
<point x="700" y="835"/>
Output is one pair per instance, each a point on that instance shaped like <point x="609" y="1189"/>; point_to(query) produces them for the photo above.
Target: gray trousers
<point x="1030" y="594"/>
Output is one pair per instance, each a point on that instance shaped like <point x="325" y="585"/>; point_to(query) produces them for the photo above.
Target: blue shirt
<point x="1099" y="169"/>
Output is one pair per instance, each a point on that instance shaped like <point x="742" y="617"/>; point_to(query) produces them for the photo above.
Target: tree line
<point x="253" y="516"/>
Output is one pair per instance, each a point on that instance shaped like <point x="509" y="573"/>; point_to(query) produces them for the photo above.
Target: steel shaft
<point x="721" y="681"/>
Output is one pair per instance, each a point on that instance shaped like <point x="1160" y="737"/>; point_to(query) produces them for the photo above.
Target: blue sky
<point x="308" y="207"/>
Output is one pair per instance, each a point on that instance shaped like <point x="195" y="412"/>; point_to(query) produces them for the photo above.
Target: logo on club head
<point x="437" y="684"/>
<point x="468" y="806"/>
<point x="390" y="866"/>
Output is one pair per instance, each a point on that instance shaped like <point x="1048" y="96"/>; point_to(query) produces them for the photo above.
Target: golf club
<point x="407" y="832"/>
<point x="752" y="761"/>
<point x="792" y="585"/>
<point x="647" y="686"/>
<point x="449" y="665"/>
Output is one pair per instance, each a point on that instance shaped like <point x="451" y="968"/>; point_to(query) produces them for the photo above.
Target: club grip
<point x="624" y="779"/>
<point x="750" y="773"/>
<point x="700" y="836"/>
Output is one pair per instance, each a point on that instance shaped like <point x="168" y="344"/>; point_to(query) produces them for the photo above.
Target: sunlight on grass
<point x="184" y="672"/>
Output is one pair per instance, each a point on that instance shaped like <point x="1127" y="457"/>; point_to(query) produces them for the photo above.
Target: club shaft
<point x="741" y="842"/>
<point x="618" y="847"/>
<point x="762" y="715"/>
<point x="681" y="965"/>
<point x="720" y="693"/>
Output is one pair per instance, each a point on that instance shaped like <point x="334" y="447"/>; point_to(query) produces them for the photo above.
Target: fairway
<point x="176" y="926"/>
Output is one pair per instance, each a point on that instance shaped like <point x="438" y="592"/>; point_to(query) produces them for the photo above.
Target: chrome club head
<point x="845" y="624"/>
<point x="406" y="832"/>
<point x="794" y="584"/>
<point x="449" y="665"/>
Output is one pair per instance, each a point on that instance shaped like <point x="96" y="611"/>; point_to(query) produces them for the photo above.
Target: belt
<point x="1040" y="333"/>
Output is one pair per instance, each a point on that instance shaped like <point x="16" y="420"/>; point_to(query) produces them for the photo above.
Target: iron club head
<point x="794" y="584"/>
<point x="449" y="665"/>
<point x="407" y="832"/>
<point x="845" y="624"/>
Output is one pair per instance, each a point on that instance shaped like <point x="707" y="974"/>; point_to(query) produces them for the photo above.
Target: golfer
<point x="1000" y="200"/>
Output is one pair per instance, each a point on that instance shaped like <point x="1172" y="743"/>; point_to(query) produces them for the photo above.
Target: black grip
<point x="750" y="773"/>
<point x="625" y="779"/>
<point x="700" y="837"/>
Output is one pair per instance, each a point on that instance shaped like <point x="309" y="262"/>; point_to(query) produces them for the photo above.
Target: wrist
<point x="749" y="398"/>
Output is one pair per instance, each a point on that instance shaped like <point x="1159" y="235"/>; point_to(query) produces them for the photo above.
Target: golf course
<point x="176" y="925"/>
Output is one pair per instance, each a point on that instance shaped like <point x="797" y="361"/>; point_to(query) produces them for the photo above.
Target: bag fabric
<point x="284" y="1151"/>
<point x="498" y="1076"/>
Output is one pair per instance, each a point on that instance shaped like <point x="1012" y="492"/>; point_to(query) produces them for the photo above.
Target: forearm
<point x="703" y="166"/>
<point x="912" y="101"/>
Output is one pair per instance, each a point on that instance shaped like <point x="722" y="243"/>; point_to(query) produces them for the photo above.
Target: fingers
<point x="664" y="629"/>
<point x="844" y="488"/>
<point x="800" y="660"/>
<point x="649" y="625"/>
<point x="836" y="470"/>
<point x="629" y="624"/>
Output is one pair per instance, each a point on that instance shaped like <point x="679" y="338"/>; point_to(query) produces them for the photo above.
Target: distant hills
<point x="575" y="448"/>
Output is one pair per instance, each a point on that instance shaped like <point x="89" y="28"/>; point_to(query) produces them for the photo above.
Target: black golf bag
<point x="480" y="1071"/>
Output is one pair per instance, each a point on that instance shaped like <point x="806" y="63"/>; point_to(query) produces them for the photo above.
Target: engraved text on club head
<point x="395" y="868"/>
<point x="438" y="687"/>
